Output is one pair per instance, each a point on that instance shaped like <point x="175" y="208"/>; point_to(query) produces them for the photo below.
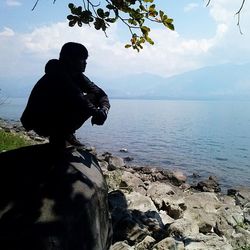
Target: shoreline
<point x="154" y="208"/>
<point x="194" y="179"/>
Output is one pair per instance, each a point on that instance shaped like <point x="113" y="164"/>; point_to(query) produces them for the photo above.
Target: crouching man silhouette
<point x="64" y="98"/>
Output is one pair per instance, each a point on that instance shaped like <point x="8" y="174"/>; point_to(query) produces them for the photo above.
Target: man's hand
<point x="99" y="117"/>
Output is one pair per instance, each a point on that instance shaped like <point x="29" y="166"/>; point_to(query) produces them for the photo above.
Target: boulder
<point x="183" y="228"/>
<point x="202" y="208"/>
<point x="209" y="185"/>
<point x="140" y="202"/>
<point x="115" y="163"/>
<point x="145" y="244"/>
<point x="131" y="182"/>
<point x="206" y="242"/>
<point x="121" y="246"/>
<point x="52" y="199"/>
<point x="169" y="243"/>
<point x="178" y="177"/>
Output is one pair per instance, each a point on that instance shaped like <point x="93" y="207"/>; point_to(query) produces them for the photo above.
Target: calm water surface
<point x="205" y="137"/>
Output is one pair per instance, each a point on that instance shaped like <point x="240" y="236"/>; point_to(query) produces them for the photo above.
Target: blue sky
<point x="204" y="36"/>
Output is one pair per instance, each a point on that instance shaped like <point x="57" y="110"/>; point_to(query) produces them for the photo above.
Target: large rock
<point x="183" y="228"/>
<point x="206" y="242"/>
<point x="131" y="182"/>
<point x="203" y="208"/>
<point x="52" y="200"/>
<point x="140" y="202"/>
<point x="169" y="244"/>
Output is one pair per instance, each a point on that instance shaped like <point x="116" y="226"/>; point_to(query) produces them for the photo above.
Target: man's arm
<point x="95" y="93"/>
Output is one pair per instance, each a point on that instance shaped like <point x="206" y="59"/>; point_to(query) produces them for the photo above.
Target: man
<point x="64" y="98"/>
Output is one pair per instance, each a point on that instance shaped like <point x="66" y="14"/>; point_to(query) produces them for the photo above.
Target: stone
<point x="159" y="190"/>
<point x="103" y="165"/>
<point x="183" y="228"/>
<point x="132" y="182"/>
<point x="113" y="179"/>
<point x="242" y="197"/>
<point x="140" y="202"/>
<point x="207" y="242"/>
<point x="52" y="200"/>
<point x="115" y="162"/>
<point x="209" y="185"/>
<point x="246" y="214"/>
<point x="169" y="243"/>
<point x="145" y="244"/>
<point x="202" y="208"/>
<point x="166" y="219"/>
<point x="128" y="158"/>
<point x="121" y="246"/>
<point x="178" y="177"/>
<point x="123" y="150"/>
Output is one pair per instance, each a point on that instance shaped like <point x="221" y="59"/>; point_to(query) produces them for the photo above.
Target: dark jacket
<point x="61" y="102"/>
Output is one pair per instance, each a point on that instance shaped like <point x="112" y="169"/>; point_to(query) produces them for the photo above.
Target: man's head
<point x="74" y="55"/>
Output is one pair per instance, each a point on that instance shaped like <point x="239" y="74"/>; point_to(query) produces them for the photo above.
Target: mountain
<point x="228" y="81"/>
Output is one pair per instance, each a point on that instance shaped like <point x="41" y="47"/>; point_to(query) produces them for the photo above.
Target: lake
<point x="204" y="137"/>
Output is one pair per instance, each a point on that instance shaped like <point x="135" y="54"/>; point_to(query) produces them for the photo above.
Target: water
<point x="204" y="137"/>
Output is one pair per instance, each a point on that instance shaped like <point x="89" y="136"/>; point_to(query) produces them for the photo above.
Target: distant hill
<point x="228" y="81"/>
<point x="220" y="82"/>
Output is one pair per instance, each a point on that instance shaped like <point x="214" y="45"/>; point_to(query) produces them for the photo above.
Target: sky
<point x="203" y="36"/>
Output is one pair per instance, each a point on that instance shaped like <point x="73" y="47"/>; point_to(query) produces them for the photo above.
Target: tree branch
<point x="35" y="5"/>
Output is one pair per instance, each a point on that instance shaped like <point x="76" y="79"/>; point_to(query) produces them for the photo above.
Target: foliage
<point x="11" y="141"/>
<point x="132" y="13"/>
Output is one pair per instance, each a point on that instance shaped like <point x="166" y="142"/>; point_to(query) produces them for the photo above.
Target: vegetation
<point x="11" y="141"/>
<point x="134" y="14"/>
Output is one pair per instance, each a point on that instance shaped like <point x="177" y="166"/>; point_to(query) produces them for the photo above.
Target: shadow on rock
<point x="52" y="200"/>
<point x="132" y="225"/>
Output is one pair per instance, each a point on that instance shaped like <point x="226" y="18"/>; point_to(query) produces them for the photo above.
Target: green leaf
<point x="128" y="46"/>
<point x="99" y="23"/>
<point x="148" y="1"/>
<point x="142" y="8"/>
<point x="79" y="9"/>
<point x="110" y="20"/>
<point x="145" y="29"/>
<point x="70" y="17"/>
<point x="72" y="23"/>
<point x="110" y="6"/>
<point x="132" y="21"/>
<point x="161" y="14"/>
<point x="106" y="14"/>
<point x="79" y="23"/>
<point x="152" y="7"/>
<point x="71" y="5"/>
<point x="100" y="13"/>
<point x="149" y="40"/>
<point x="170" y="26"/>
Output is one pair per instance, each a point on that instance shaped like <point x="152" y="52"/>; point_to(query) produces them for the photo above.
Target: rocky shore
<point x="154" y="208"/>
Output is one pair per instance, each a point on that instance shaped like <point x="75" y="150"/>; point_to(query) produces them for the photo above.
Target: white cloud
<point x="231" y="46"/>
<point x="108" y="57"/>
<point x="13" y="3"/>
<point x="190" y="7"/>
<point x="7" y="32"/>
<point x="172" y="53"/>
